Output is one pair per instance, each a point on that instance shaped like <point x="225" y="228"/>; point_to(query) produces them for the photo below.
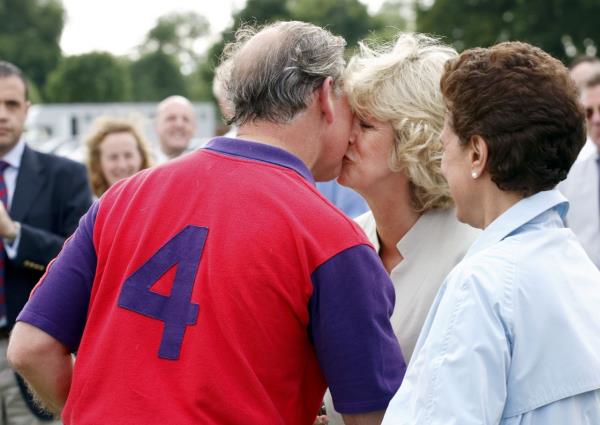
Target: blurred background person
<point x="116" y="150"/>
<point x="582" y="186"/>
<point x="582" y="69"/>
<point x="42" y="198"/>
<point x="175" y="125"/>
<point x="394" y="163"/>
<point x="514" y="334"/>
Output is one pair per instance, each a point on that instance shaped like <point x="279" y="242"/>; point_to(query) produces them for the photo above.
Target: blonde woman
<point x="394" y="163"/>
<point x="116" y="150"/>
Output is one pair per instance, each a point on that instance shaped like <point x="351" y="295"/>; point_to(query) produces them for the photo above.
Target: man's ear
<point x="478" y="154"/>
<point x="326" y="99"/>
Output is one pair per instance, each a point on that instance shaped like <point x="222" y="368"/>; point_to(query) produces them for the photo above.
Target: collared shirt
<point x="582" y="189"/>
<point x="272" y="289"/>
<point x="514" y="334"/>
<point x="13" y="158"/>
<point x="346" y="199"/>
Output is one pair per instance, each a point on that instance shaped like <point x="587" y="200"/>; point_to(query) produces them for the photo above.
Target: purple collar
<point x="260" y="152"/>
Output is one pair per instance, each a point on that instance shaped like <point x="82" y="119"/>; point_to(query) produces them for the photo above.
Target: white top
<point x="430" y="249"/>
<point x="588" y="150"/>
<point x="513" y="336"/>
<point x="582" y="189"/>
<point x="13" y="158"/>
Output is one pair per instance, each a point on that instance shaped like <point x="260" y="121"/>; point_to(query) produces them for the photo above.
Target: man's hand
<point x="8" y="228"/>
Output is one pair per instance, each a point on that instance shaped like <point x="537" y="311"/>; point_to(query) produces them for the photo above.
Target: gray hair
<point x="274" y="81"/>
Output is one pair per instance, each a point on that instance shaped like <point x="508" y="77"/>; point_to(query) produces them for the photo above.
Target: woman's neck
<point x="394" y="217"/>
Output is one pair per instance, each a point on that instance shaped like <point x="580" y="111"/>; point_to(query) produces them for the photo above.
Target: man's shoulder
<point x="54" y="162"/>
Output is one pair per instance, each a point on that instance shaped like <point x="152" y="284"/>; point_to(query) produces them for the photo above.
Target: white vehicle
<point x="61" y="128"/>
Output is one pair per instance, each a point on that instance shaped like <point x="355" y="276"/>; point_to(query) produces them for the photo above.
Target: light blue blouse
<point x="513" y="336"/>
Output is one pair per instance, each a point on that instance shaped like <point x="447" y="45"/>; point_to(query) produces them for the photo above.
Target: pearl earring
<point x="474" y="174"/>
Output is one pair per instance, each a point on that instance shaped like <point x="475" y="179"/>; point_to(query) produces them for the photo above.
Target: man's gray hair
<point x="274" y="81"/>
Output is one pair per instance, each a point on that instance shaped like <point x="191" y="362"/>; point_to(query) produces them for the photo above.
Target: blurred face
<point x="329" y="163"/>
<point x="456" y="168"/>
<point x="366" y="162"/>
<point x="119" y="157"/>
<point x="591" y="103"/>
<point x="175" y="125"/>
<point x="583" y="72"/>
<point x="13" y="111"/>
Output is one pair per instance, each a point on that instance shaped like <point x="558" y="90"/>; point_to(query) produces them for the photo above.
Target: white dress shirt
<point x="13" y="158"/>
<point x="582" y="189"/>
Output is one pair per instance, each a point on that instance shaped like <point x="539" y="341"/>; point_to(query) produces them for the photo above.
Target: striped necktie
<point x="4" y="199"/>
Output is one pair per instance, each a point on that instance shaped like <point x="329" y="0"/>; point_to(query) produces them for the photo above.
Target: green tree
<point x="348" y="18"/>
<point x="91" y="77"/>
<point x="176" y="34"/>
<point x="258" y="12"/>
<point x="390" y="19"/>
<point x="29" y="35"/>
<point x="561" y="27"/>
<point x="155" y="76"/>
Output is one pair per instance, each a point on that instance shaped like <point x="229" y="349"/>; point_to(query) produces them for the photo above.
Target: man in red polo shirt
<point x="222" y="288"/>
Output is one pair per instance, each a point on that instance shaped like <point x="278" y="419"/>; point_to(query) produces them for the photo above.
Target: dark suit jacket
<point x="51" y="195"/>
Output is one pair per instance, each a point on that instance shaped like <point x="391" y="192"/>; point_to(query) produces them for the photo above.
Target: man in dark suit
<point x="42" y="198"/>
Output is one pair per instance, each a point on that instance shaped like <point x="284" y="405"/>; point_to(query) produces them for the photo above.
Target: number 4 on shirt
<point x="176" y="310"/>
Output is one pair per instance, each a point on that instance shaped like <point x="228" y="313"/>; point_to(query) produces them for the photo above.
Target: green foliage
<point x="33" y="92"/>
<point x="389" y="21"/>
<point x="561" y="27"/>
<point x="258" y="12"/>
<point x="155" y="76"/>
<point x="175" y="34"/>
<point x="91" y="77"/>
<point x="348" y="18"/>
<point x="29" y="35"/>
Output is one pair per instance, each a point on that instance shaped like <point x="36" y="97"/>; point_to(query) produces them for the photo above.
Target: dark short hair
<point x="276" y="81"/>
<point x="7" y="69"/>
<point x="525" y="106"/>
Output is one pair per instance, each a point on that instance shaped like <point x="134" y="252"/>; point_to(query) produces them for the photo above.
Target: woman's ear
<point x="478" y="155"/>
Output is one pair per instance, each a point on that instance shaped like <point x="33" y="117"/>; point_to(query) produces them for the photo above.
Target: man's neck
<point x="288" y="137"/>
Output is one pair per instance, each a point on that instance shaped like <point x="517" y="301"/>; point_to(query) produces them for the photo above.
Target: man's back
<point x="240" y="270"/>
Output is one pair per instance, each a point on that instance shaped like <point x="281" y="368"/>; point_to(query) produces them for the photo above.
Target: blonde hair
<point x="400" y="84"/>
<point x="102" y="127"/>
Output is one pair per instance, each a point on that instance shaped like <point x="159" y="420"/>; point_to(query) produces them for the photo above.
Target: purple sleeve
<point x="353" y="299"/>
<point x="59" y="303"/>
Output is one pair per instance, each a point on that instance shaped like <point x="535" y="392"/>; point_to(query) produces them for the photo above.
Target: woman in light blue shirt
<point x="513" y="336"/>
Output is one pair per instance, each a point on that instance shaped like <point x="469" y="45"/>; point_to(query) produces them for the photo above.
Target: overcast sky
<point x="118" y="26"/>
